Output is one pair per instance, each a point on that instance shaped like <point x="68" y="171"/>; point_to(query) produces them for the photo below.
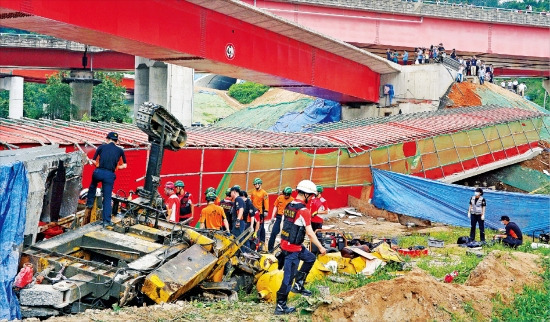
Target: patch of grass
<point x="247" y="92"/>
<point x="531" y="305"/>
<point x="439" y="267"/>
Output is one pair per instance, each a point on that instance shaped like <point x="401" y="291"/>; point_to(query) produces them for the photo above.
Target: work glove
<point x="255" y="234"/>
<point x="483" y="217"/>
<point x="469" y="214"/>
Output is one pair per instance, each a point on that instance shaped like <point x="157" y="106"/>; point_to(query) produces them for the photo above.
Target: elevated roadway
<point x="225" y="37"/>
<point x="507" y="39"/>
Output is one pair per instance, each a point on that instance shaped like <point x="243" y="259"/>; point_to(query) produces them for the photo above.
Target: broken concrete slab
<point x="40" y="295"/>
<point x="31" y="311"/>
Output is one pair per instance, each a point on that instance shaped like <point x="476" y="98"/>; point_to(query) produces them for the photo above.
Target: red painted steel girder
<point x="364" y="28"/>
<point x="508" y="72"/>
<point x="64" y="59"/>
<point x="186" y="34"/>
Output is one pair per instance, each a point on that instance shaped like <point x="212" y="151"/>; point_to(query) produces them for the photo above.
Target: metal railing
<point x="441" y="9"/>
<point x="41" y="41"/>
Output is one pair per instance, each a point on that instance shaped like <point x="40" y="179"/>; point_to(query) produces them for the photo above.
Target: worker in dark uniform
<point x="109" y="155"/>
<point x="513" y="237"/>
<point x="227" y="204"/>
<point x="476" y="213"/>
<point x="296" y="225"/>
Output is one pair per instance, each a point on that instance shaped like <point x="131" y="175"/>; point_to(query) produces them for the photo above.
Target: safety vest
<point x="226" y="205"/>
<point x="476" y="206"/>
<point x="291" y="232"/>
<point x="185" y="207"/>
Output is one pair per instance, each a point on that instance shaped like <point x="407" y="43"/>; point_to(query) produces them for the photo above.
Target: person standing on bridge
<point x="476" y="213"/>
<point x="109" y="156"/>
<point x="405" y="57"/>
<point x="296" y="225"/>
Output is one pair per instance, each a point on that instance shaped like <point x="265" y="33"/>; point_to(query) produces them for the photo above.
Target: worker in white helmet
<point x="296" y="225"/>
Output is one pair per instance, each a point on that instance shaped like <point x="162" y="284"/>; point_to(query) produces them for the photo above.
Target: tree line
<point x="53" y="99"/>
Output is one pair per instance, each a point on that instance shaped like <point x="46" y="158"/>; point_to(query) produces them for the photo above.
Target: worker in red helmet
<point x="172" y="203"/>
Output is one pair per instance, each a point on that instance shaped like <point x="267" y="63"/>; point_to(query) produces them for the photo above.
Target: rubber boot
<point x="281" y="307"/>
<point x="299" y="284"/>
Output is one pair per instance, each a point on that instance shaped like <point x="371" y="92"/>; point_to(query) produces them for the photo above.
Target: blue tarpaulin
<point x="319" y="111"/>
<point x="14" y="187"/>
<point x="448" y="203"/>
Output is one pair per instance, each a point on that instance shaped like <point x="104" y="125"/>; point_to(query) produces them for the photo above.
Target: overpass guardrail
<point x="42" y="41"/>
<point x="441" y="10"/>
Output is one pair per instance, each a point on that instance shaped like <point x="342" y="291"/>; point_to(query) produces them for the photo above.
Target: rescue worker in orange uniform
<point x="213" y="216"/>
<point x="260" y="200"/>
<point x="211" y="189"/>
<point x="296" y="225"/>
<point x="277" y="215"/>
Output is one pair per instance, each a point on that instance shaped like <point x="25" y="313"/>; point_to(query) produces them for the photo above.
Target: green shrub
<point x="247" y="92"/>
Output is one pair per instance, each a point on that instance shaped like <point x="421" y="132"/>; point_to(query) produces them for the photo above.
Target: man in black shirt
<point x="513" y="237"/>
<point x="109" y="155"/>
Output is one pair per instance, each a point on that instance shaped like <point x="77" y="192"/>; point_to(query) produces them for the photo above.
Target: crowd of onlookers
<point x="421" y="55"/>
<point x="514" y="86"/>
<point x="474" y="66"/>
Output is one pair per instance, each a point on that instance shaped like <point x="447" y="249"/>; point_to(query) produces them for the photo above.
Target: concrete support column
<point x="180" y="93"/>
<point x="165" y="84"/>
<point x="82" y="97"/>
<point x="141" y="82"/>
<point x="16" y="98"/>
<point x="158" y="83"/>
<point x="82" y="83"/>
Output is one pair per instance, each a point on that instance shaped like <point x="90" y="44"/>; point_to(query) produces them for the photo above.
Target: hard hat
<point x="179" y="183"/>
<point x="257" y="181"/>
<point x="319" y="189"/>
<point x="236" y="188"/>
<point x="228" y="192"/>
<point x="210" y="196"/>
<point x="112" y="136"/>
<point x="169" y="185"/>
<point x="287" y="190"/>
<point x="210" y="189"/>
<point x="307" y="186"/>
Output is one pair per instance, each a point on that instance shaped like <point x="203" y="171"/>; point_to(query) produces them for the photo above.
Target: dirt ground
<point x="541" y="161"/>
<point x="463" y="94"/>
<point x="420" y="297"/>
<point x="374" y="227"/>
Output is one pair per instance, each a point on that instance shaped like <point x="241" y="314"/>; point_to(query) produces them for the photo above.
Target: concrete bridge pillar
<point x="14" y="84"/>
<point x="82" y="83"/>
<point x="168" y="85"/>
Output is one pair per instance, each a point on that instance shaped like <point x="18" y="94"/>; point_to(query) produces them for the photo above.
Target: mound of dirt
<point x="418" y="296"/>
<point x="464" y="94"/>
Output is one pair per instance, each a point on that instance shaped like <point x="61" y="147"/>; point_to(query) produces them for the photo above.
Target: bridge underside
<point x="187" y="34"/>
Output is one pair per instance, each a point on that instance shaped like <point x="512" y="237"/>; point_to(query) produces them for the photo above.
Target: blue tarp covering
<point x="448" y="203"/>
<point x="319" y="111"/>
<point x="14" y="187"/>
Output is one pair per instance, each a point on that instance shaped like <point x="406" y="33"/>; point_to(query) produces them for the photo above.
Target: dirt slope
<point x="419" y="297"/>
